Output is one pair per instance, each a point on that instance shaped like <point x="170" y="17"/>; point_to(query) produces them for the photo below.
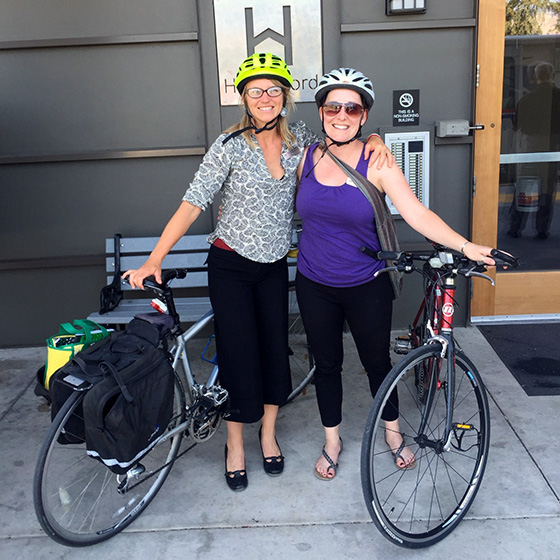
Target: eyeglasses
<point x="334" y="107"/>
<point x="257" y="92"/>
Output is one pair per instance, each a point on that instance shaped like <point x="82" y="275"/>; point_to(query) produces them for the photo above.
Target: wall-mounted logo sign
<point x="406" y="107"/>
<point x="290" y="29"/>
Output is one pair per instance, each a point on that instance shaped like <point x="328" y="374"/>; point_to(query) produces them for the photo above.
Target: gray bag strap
<point x="384" y="222"/>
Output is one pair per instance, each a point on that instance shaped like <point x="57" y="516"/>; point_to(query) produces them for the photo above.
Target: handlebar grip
<point x="388" y="255"/>
<point x="381" y="255"/>
<point x="166" y="277"/>
<point x="368" y="252"/>
<point x="506" y="258"/>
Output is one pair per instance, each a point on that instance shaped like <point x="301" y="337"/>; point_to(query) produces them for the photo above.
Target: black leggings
<point x="250" y="301"/>
<point x="367" y="310"/>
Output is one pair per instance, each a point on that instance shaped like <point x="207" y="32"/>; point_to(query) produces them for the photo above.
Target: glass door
<point x="521" y="194"/>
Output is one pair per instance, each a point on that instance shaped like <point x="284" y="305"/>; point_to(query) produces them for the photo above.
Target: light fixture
<point x="398" y="7"/>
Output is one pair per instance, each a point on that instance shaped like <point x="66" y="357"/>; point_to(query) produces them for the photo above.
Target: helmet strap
<point x="323" y="148"/>
<point x="268" y="126"/>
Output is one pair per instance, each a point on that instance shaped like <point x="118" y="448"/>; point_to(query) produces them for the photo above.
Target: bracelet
<point x="462" y="249"/>
<point x="373" y="134"/>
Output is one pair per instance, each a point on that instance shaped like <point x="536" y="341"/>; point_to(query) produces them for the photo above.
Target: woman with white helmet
<point x="253" y="165"/>
<point x="335" y="280"/>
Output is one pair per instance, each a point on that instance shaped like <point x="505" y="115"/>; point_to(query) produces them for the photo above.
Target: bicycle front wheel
<point x="419" y="506"/>
<point x="79" y="501"/>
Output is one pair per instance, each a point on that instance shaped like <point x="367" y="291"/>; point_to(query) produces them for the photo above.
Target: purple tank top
<point x="337" y="221"/>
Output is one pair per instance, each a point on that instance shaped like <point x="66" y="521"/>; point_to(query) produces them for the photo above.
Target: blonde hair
<point x="282" y="125"/>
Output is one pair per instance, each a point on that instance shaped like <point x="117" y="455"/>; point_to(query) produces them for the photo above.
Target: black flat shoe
<point x="274" y="465"/>
<point x="236" y="480"/>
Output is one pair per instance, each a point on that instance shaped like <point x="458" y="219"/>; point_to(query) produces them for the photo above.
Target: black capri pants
<point x="250" y="302"/>
<point x="368" y="310"/>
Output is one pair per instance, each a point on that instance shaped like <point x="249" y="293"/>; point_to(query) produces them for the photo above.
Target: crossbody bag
<point x="384" y="222"/>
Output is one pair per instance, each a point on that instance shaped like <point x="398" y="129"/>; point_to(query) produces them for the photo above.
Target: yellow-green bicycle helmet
<point x="262" y="65"/>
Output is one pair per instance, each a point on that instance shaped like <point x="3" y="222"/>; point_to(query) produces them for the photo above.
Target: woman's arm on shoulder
<point x="377" y="151"/>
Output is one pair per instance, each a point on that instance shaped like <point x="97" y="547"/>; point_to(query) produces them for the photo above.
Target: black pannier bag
<point x="127" y="412"/>
<point x="130" y="404"/>
<point x="82" y="369"/>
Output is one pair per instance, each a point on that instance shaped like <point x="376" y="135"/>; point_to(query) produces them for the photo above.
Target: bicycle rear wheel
<point x="419" y="506"/>
<point x="302" y="365"/>
<point x="79" y="501"/>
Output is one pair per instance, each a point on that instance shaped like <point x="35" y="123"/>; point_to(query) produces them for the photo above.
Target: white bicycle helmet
<point x="345" y="78"/>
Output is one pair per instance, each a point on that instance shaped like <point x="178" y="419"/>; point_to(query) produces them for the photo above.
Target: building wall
<point x="107" y="108"/>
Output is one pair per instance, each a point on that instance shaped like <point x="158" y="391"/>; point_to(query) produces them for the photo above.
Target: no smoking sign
<point x="406" y="107"/>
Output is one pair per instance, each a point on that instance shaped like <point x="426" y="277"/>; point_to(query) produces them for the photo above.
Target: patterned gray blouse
<point x="257" y="209"/>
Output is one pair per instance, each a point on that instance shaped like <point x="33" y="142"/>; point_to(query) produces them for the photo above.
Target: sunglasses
<point x="255" y="93"/>
<point x="332" y="109"/>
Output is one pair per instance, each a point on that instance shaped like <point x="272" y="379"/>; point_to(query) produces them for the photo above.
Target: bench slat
<point x="184" y="260"/>
<point x="147" y="244"/>
<point x="189" y="309"/>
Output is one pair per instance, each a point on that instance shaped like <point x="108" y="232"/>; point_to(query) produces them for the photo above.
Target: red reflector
<point x="159" y="306"/>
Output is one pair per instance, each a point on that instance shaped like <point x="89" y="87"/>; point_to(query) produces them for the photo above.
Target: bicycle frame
<point x="180" y="353"/>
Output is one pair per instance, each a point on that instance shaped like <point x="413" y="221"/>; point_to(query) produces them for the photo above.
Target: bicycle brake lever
<point x="386" y="269"/>
<point x="474" y="273"/>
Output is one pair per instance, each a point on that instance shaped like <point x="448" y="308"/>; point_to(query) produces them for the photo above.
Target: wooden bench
<point x="120" y="303"/>
<point x="124" y="253"/>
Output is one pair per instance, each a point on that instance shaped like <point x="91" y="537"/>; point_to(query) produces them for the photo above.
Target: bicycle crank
<point x="205" y="420"/>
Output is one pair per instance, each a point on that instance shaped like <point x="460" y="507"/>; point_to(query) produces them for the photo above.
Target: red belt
<point x="222" y="245"/>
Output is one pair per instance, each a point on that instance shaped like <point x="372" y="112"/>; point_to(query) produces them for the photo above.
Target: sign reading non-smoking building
<point x="290" y="29"/>
<point x="406" y="107"/>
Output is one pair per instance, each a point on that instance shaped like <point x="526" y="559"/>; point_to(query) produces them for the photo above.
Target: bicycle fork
<point x="446" y="304"/>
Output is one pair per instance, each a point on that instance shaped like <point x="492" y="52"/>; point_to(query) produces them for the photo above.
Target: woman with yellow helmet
<point x="253" y="165"/>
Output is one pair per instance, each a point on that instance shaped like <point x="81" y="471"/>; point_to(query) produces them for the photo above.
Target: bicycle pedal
<point x="403" y="344"/>
<point x="466" y="427"/>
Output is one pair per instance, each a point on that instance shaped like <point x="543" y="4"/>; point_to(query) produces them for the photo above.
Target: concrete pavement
<point x="516" y="514"/>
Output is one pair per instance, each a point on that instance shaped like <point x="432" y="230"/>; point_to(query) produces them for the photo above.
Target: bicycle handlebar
<point x="442" y="257"/>
<point x="150" y="283"/>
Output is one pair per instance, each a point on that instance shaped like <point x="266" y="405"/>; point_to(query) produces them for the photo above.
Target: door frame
<point x="515" y="293"/>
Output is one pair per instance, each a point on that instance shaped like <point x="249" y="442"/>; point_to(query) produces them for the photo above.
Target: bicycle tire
<point x="421" y="335"/>
<point x="302" y="368"/>
<point x="302" y="365"/>
<point x="415" y="508"/>
<point x="75" y="496"/>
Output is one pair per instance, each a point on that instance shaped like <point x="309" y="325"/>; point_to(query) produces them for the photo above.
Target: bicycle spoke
<point x="78" y="500"/>
<point x="418" y="506"/>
